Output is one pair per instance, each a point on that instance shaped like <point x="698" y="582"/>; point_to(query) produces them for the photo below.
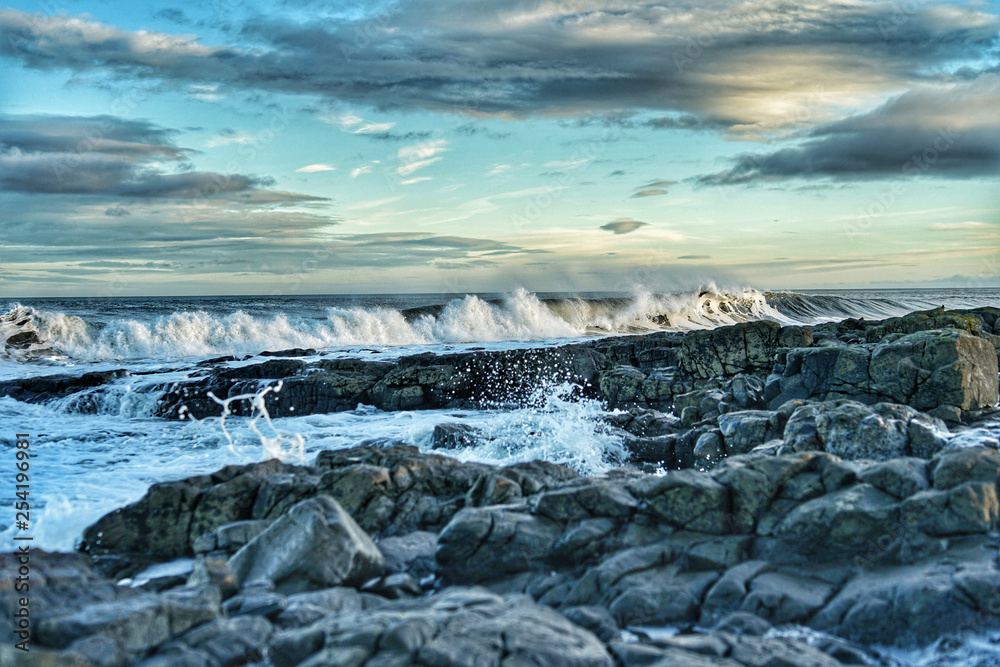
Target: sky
<point x="305" y="147"/>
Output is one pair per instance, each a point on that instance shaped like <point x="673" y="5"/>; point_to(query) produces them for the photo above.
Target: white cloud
<point x="411" y="167"/>
<point x="568" y="164"/>
<point x="419" y="179"/>
<point x="418" y="156"/>
<point x="308" y="169"/>
<point x="226" y="139"/>
<point x="355" y="124"/>
<point x="498" y="169"/>
<point x="366" y="169"/>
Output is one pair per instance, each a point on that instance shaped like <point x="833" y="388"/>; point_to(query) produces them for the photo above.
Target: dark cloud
<point x="111" y="156"/>
<point x="398" y="136"/>
<point x="722" y="63"/>
<point x="174" y="15"/>
<point x="938" y="131"/>
<point x="695" y="257"/>
<point x="117" y="211"/>
<point x="623" y="226"/>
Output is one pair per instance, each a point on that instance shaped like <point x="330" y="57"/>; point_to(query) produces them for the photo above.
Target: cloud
<point x="652" y="189"/>
<point x="113" y="157"/>
<point x="117" y="211"/>
<point x="418" y="156"/>
<point x="312" y="168"/>
<point x="354" y="124"/>
<point x="968" y="226"/>
<point x="695" y="257"/>
<point x="743" y="64"/>
<point x="358" y="171"/>
<point x="623" y="226"/>
<point x="941" y="131"/>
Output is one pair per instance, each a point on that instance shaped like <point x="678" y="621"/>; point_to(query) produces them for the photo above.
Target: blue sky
<point x="231" y="147"/>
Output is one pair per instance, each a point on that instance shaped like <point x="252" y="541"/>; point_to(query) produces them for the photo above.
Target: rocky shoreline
<point x="795" y="496"/>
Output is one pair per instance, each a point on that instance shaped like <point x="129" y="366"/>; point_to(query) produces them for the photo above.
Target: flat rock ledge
<point x="390" y="556"/>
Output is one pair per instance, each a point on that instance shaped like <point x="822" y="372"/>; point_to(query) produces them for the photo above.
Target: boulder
<point x="315" y="545"/>
<point x="457" y="627"/>
<point x="928" y="370"/>
<point x="853" y="430"/>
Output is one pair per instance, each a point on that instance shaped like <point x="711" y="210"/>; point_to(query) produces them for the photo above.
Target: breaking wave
<point x="30" y="333"/>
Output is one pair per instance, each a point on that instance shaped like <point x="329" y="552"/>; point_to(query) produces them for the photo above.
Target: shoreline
<point x="811" y="479"/>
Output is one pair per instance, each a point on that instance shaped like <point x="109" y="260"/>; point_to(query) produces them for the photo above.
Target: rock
<point x="730" y="350"/>
<point x="853" y="430"/>
<point x="686" y="499"/>
<point x="622" y="385"/>
<point x="167" y="520"/>
<point x="412" y="553"/>
<point x="837" y="524"/>
<point x="786" y="598"/>
<point x="906" y="604"/>
<point x="134" y="625"/>
<point x="709" y="449"/>
<point x="304" y="609"/>
<point x="45" y="388"/>
<point x="926" y="370"/>
<point x="595" y="619"/>
<point x="224" y="641"/>
<point x="483" y="544"/>
<point x="971" y="507"/>
<point x="454" y="436"/>
<point x="457" y="627"/>
<point x="748" y="391"/>
<point x="745" y="430"/>
<point x="743" y="623"/>
<point x="970" y="464"/>
<point x="315" y="545"/>
<point x="394" y="586"/>
<point x="900" y="477"/>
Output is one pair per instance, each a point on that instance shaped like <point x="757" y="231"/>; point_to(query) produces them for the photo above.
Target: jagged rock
<point x="853" y="430"/>
<point x="454" y="436"/>
<point x="971" y="464"/>
<point x="622" y="385"/>
<point x="457" y="627"/>
<point x="900" y="477"/>
<point x="222" y="642"/>
<point x="304" y="609"/>
<point x="134" y="625"/>
<point x="483" y="544"/>
<point x="747" y="429"/>
<point x="838" y="524"/>
<point x="912" y="603"/>
<point x="315" y="545"/>
<point x="926" y="370"/>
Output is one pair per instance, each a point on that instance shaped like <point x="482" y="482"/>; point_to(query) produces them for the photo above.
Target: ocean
<point x="91" y="459"/>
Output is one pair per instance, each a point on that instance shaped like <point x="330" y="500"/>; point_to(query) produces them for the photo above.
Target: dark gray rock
<point x="457" y="627"/>
<point x="454" y="436"/>
<point x="315" y="545"/>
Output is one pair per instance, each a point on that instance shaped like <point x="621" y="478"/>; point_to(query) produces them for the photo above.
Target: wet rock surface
<point x="794" y="532"/>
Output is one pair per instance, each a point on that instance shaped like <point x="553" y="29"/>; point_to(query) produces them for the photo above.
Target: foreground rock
<point x="537" y="564"/>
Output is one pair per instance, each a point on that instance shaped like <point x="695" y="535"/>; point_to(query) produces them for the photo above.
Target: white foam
<point x="519" y="316"/>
